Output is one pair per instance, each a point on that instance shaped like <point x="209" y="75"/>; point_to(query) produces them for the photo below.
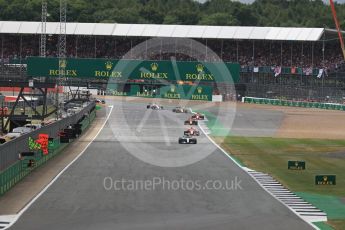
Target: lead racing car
<point x="192" y="132"/>
<point x="180" y="110"/>
<point x="198" y="116"/>
<point x="191" y="121"/>
<point x="154" y="107"/>
<point x="187" y="139"/>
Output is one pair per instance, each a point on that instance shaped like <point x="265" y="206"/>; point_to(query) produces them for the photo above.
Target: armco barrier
<point x="9" y="151"/>
<point x="330" y="106"/>
<point x="21" y="168"/>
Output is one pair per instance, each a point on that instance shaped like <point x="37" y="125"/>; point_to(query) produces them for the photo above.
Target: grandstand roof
<point x="151" y="30"/>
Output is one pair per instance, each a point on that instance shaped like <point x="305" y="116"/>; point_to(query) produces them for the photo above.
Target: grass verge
<point x="270" y="155"/>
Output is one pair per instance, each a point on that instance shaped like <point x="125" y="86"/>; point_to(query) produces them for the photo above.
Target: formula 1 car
<point x="154" y="107"/>
<point x="180" y="110"/>
<point x="191" y="121"/>
<point x="198" y="116"/>
<point x="187" y="139"/>
<point x="192" y="132"/>
<point x="98" y="101"/>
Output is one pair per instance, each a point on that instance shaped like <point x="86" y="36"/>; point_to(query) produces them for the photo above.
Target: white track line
<point x="21" y="212"/>
<point x="247" y="170"/>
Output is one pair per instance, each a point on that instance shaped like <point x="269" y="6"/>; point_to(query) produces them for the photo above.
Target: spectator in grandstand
<point x="246" y="53"/>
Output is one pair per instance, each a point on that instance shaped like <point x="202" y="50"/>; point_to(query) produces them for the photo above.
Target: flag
<point x="277" y="71"/>
<point x="308" y="70"/>
<point x="256" y="69"/>
<point x="293" y="70"/>
<point x="320" y="73"/>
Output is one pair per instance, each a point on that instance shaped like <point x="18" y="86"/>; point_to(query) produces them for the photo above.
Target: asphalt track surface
<point x="78" y="199"/>
<point x="248" y="121"/>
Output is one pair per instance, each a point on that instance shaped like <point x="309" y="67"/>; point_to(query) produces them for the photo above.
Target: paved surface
<point x="241" y="121"/>
<point x="256" y="122"/>
<point x="78" y="199"/>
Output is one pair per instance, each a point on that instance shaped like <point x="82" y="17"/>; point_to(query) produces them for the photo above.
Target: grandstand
<point x="275" y="62"/>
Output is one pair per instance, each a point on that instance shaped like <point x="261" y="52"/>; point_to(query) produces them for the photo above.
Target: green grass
<point x="323" y="226"/>
<point x="270" y="155"/>
<point x="337" y="224"/>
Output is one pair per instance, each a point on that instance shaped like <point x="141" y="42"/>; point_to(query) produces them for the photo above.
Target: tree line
<point x="289" y="13"/>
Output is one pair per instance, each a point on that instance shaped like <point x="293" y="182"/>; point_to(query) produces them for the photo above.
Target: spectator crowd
<point x="318" y="54"/>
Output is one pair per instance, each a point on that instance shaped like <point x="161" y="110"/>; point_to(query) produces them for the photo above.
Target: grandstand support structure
<point x="62" y="56"/>
<point x="43" y="29"/>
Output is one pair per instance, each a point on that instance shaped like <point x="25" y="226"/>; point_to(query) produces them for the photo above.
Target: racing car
<point x="191" y="121"/>
<point x="180" y="110"/>
<point x="198" y="116"/>
<point x="154" y="106"/>
<point x="192" y="132"/>
<point x="187" y="139"/>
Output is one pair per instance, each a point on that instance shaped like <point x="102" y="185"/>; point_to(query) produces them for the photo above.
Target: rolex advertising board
<point x="296" y="165"/>
<point x="325" y="180"/>
<point x="187" y="92"/>
<point x="134" y="69"/>
<point x="193" y="92"/>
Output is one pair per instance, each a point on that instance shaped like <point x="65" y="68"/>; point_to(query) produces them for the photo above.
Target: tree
<point x="221" y="19"/>
<point x="245" y="16"/>
<point x="152" y="15"/>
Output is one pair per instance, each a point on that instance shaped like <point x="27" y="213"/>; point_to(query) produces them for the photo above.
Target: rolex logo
<point x="296" y="163"/>
<point x="154" y="66"/>
<point x="325" y="178"/>
<point x="172" y="88"/>
<point x="199" y="89"/>
<point x="199" y="68"/>
<point x="62" y="63"/>
<point x="108" y="65"/>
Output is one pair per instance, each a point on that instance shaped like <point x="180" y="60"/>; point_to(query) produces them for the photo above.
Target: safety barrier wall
<point x="21" y="168"/>
<point x="267" y="101"/>
<point x="17" y="171"/>
<point x="9" y="151"/>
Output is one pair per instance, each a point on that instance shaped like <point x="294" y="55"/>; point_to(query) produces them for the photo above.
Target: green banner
<point x="135" y="69"/>
<point x="296" y="165"/>
<point x="187" y="92"/>
<point x="325" y="180"/>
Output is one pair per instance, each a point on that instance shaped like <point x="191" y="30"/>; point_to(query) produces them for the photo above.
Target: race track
<point x="79" y="200"/>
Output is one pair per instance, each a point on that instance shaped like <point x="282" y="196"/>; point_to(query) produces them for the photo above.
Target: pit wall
<point x="23" y="166"/>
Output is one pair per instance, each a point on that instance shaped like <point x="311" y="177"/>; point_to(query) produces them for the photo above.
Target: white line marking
<point x="21" y="212"/>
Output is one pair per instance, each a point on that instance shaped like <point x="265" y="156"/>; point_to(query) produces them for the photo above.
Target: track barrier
<point x="31" y="160"/>
<point x="303" y="104"/>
